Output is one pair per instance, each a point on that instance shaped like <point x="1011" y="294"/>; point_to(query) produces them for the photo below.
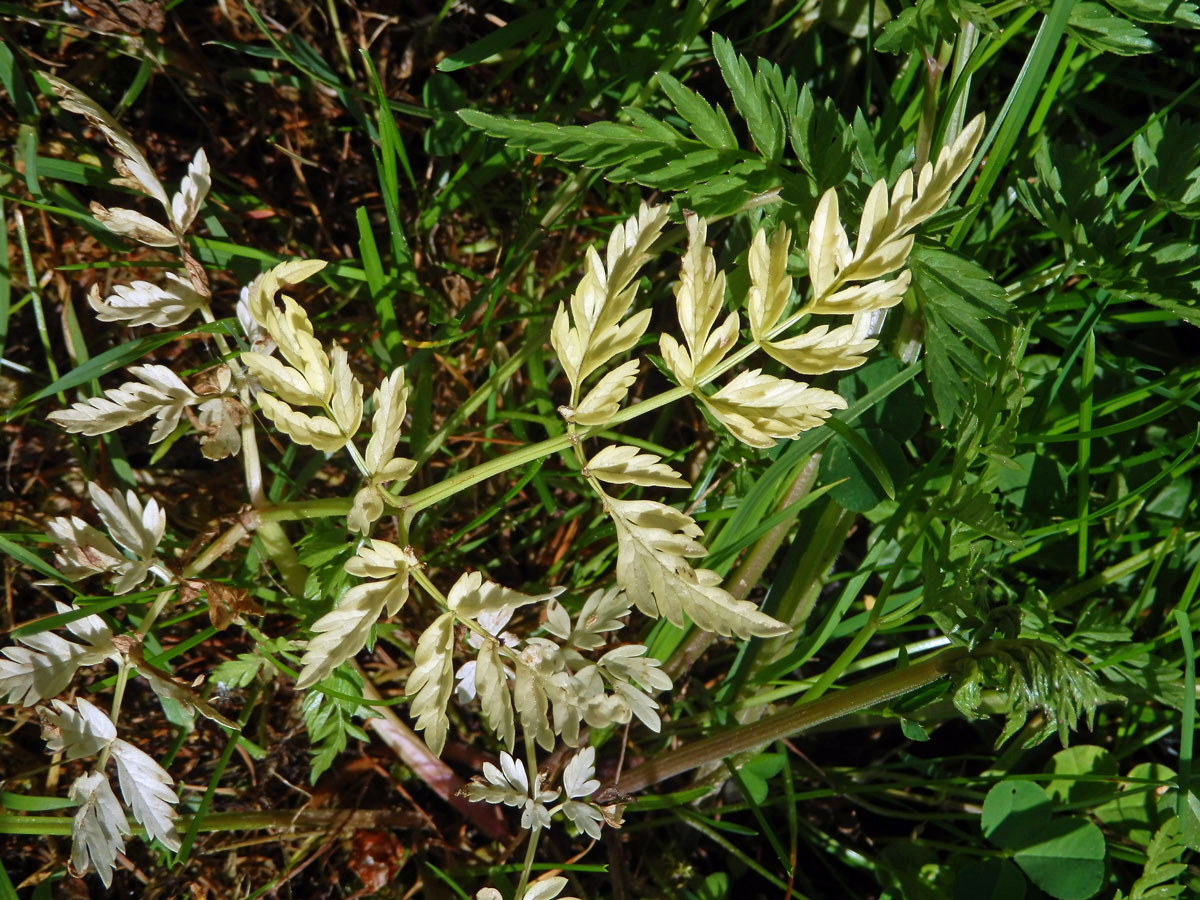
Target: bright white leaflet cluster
<point x="210" y="406"/>
<point x="100" y="826"/>
<point x="572" y="676"/>
<point x="44" y="666"/>
<point x="509" y="784"/>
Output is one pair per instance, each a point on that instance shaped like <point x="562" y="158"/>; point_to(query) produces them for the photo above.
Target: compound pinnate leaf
<point x="160" y="393"/>
<point x="588" y="332"/>
<point x="192" y="191"/>
<point x="604" y="400"/>
<point x="699" y="298"/>
<point x="342" y="632"/>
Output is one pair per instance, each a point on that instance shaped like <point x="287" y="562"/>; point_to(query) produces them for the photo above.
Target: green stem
<point x="784" y="724"/>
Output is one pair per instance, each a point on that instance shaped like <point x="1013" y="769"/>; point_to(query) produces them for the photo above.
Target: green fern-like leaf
<point x="1163" y="864"/>
<point x="329" y="712"/>
<point x="1036" y="678"/>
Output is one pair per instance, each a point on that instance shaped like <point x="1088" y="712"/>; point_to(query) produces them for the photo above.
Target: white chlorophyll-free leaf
<point x="256" y="335"/>
<point x="699" y="299"/>
<point x="84" y="551"/>
<point x="137" y="527"/>
<point x="432" y="680"/>
<point x="192" y="191"/>
<point x="74" y="100"/>
<point x="165" y="304"/>
<point x="622" y="464"/>
<point x="546" y="889"/>
<point x="488" y="678"/>
<point x="46" y="663"/>
<point x="472" y="595"/>
<point x="588" y="331"/>
<point x="77" y="733"/>
<point x="540" y="660"/>
<point x="342" y="632"/>
<point x="383" y="466"/>
<point x="318" y="432"/>
<point x="654" y="542"/>
<point x="147" y="789"/>
<point x="579" y="783"/>
<point x="159" y="393"/>
<point x="134" y="225"/>
<point x="509" y="784"/>
<point x="99" y="828"/>
<point x="602" y="612"/>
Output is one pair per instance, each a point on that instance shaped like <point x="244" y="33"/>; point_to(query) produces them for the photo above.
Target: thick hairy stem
<point x="784" y="724"/>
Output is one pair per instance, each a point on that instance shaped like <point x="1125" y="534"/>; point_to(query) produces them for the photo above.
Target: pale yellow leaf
<point x="495" y="701"/>
<point x="282" y="380"/>
<point x="861" y="298"/>
<point x="432" y="681"/>
<point x="604" y="400"/>
<point x="261" y="299"/>
<point x="622" y="464"/>
<point x="314" y="431"/>
<point x="820" y="350"/>
<point x="760" y="409"/>
<point x="826" y="240"/>
<point x="653" y="542"/>
<point x="770" y="284"/>
<point x="391" y="405"/>
<point x="346" y="402"/>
